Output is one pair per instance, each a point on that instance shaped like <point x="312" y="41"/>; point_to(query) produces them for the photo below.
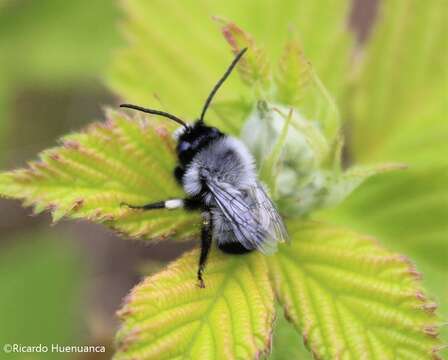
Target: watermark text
<point x="52" y="348"/>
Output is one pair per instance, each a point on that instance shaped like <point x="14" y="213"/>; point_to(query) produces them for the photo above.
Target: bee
<point x="218" y="175"/>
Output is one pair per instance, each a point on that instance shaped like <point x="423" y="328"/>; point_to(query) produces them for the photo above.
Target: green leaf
<point x="182" y="66"/>
<point x="350" y="298"/>
<point x="254" y="68"/>
<point x="399" y="112"/>
<point x="411" y="205"/>
<point x="341" y="185"/>
<point x="420" y="139"/>
<point x="298" y="85"/>
<point x="435" y="282"/>
<point x="94" y="171"/>
<point x="293" y="76"/>
<point x="407" y="210"/>
<point x="168" y="316"/>
<point x="404" y="69"/>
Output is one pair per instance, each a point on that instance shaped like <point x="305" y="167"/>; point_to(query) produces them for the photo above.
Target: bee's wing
<point x="269" y="218"/>
<point x="251" y="216"/>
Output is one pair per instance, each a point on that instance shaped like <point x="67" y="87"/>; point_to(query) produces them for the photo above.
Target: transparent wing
<point x="269" y="218"/>
<point x="250" y="216"/>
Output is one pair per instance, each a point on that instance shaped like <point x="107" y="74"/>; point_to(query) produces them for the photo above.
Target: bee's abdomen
<point x="233" y="248"/>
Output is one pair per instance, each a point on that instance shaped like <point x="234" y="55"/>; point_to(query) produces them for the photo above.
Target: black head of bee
<point x="194" y="139"/>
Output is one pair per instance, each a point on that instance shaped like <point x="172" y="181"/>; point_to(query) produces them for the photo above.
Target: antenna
<point x="156" y="112"/>
<point x="220" y="82"/>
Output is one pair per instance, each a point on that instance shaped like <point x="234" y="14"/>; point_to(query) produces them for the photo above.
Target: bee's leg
<point x="167" y="204"/>
<point x="188" y="204"/>
<point x="206" y="241"/>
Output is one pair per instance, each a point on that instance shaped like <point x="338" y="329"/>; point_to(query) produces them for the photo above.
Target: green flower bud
<point x="298" y="178"/>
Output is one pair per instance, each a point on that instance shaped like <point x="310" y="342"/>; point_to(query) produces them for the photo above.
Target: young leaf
<point x="94" y="171"/>
<point x="253" y="67"/>
<point x="350" y="298"/>
<point x="293" y="76"/>
<point x="165" y="59"/>
<point x="297" y="85"/>
<point x="168" y="316"/>
<point x="343" y="184"/>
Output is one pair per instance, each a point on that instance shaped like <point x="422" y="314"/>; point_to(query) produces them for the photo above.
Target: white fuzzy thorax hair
<point x="226" y="160"/>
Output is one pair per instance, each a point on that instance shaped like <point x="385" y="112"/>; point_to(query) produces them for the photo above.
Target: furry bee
<point x="218" y="175"/>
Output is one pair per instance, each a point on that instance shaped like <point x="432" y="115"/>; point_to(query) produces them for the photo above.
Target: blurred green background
<point x="59" y="284"/>
<point x="63" y="283"/>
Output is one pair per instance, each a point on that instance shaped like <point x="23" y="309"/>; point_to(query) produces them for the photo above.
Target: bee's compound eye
<point x="184" y="146"/>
